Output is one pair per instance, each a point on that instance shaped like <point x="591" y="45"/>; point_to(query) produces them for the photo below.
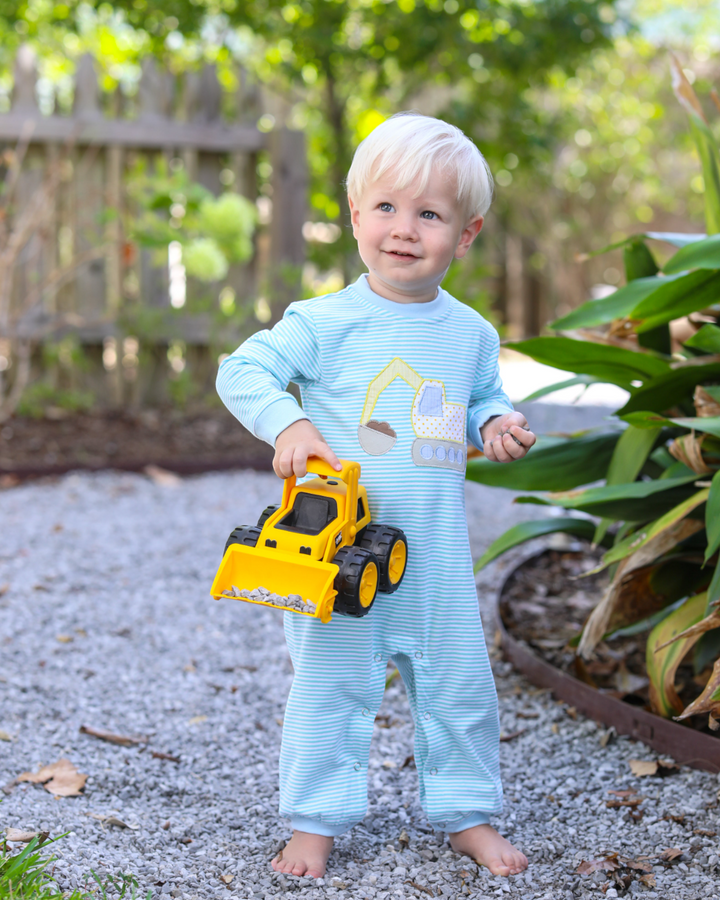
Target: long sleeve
<point x="487" y="397"/>
<point x="252" y="381"/>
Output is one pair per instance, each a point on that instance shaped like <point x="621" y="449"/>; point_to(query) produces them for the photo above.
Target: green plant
<point x="658" y="511"/>
<point x="40" y="396"/>
<point x="24" y="876"/>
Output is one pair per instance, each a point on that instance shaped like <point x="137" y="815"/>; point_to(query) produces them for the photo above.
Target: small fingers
<point x="325" y="452"/>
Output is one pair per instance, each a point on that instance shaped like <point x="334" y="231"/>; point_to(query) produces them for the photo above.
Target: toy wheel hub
<point x="396" y="565"/>
<point x="368" y="584"/>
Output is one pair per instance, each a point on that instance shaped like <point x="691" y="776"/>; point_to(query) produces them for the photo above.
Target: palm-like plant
<point x="658" y="511"/>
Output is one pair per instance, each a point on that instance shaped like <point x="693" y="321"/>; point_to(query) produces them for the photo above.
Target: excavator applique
<point x="438" y="424"/>
<point x="319" y="543"/>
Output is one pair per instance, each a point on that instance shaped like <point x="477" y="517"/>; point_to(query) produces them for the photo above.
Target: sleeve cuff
<point x="276" y="418"/>
<point x="480" y="416"/>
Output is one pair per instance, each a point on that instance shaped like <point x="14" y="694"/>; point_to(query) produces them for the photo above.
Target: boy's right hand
<point x="294" y="445"/>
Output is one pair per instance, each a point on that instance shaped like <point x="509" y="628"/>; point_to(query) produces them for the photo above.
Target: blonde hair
<point x="411" y="145"/>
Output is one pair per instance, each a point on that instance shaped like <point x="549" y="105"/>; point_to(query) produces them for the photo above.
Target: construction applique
<point x="438" y="424"/>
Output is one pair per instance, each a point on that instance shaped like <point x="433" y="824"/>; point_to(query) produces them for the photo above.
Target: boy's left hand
<point x="506" y="438"/>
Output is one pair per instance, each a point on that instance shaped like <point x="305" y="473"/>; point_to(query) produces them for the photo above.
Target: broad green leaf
<point x="628" y="458"/>
<point x="615" y="306"/>
<point x="708" y="152"/>
<point x="708" y="337"/>
<point x="646" y="420"/>
<point x="559" y="386"/>
<point x="612" y="364"/>
<point x="639" y="261"/>
<point x="712" y="517"/>
<point x="662" y="665"/>
<point x="694" y="291"/>
<point x="714" y="589"/>
<point x="668" y="390"/>
<point x="637" y="502"/>
<point x="633" y="542"/>
<point x="526" y="531"/>
<point x="554" y="464"/>
<point x="700" y="255"/>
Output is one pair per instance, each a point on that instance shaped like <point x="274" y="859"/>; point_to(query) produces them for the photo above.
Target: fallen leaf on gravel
<point x="618" y="804"/>
<point x="122" y="739"/>
<point x="643" y="767"/>
<point x="61" y="779"/>
<point x="704" y="832"/>
<point x="24" y="837"/>
<point x="527" y="715"/>
<point x="512" y="735"/>
<point x="409" y="761"/>
<point x="671" y="853"/>
<point x="4" y="736"/>
<point x="623" y="794"/>
<point x="606" y="864"/>
<point x="671" y="818"/>
<point x="463" y="873"/>
<point x="226" y="879"/>
<point x="64" y="638"/>
<point x="404" y="839"/>
<point x="157" y="755"/>
<point x="196" y="720"/>
<point x="419" y="887"/>
<point x="639" y="864"/>
<point x="162" y="476"/>
<point x="647" y="880"/>
<point x="112" y="820"/>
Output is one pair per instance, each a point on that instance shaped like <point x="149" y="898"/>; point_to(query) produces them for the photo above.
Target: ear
<point x="354" y="215"/>
<point x="468" y="235"/>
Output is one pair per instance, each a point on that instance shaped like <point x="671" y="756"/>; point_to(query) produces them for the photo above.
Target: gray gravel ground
<point x="107" y="622"/>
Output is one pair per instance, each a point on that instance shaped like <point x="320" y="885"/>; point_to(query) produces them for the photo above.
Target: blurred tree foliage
<point x="566" y="100"/>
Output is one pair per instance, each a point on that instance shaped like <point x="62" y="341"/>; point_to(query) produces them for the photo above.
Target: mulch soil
<point x="183" y="443"/>
<point x="546" y="602"/>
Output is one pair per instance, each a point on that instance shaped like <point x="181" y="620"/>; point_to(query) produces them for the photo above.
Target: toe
<point x="498" y="866"/>
<point x="298" y="869"/>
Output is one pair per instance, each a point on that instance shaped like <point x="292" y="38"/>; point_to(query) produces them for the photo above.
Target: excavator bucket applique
<point x="438" y="424"/>
<point x="319" y="548"/>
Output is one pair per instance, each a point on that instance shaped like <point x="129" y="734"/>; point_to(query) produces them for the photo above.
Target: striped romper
<point x="400" y="388"/>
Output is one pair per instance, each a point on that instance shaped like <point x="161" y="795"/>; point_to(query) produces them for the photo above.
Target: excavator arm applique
<point x="438" y="424"/>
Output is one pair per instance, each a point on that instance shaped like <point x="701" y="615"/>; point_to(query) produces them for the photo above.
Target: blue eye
<point x="385" y="207"/>
<point x="428" y="214"/>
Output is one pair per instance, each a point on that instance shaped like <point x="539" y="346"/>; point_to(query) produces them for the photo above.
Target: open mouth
<point x="400" y="253"/>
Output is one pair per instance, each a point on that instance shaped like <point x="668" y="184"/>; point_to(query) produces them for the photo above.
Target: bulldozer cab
<point x="310" y="514"/>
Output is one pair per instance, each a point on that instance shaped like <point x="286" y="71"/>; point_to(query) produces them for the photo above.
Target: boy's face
<point x="408" y="242"/>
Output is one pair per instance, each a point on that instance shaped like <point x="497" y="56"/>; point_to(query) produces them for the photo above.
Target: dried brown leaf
<point x="683" y="89"/>
<point x="112" y="820"/>
<point x="606" y="864"/>
<point x="631" y="802"/>
<point x="671" y="853"/>
<point x="162" y="476"/>
<point x="419" y="887"/>
<point x="688" y="449"/>
<point x="158" y="755"/>
<point x="647" y="880"/>
<point x="705" y="702"/>
<point x="122" y="739"/>
<point x="24" y="837"/>
<point x="61" y="779"/>
<point x="705" y="832"/>
<point x="642" y="767"/>
<point x="706" y="406"/>
<point x="511" y="736"/>
<point x="630" y="792"/>
<point x="226" y="879"/>
<point x="639" y="864"/>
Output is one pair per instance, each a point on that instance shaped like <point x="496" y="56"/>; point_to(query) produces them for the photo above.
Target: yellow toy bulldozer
<point x="319" y="543"/>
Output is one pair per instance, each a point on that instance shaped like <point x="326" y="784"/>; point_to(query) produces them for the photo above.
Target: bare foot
<point x="489" y="849"/>
<point x="304" y="854"/>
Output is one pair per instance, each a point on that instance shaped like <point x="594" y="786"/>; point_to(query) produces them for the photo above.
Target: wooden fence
<point x="76" y="275"/>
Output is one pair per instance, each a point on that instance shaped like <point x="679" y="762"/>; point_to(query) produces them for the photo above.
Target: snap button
<point x="378" y="657"/>
<point x="418" y="655"/>
<point x="366" y="712"/>
<point x="428" y="715"/>
<point x="357" y="767"/>
<point x="433" y="771"/>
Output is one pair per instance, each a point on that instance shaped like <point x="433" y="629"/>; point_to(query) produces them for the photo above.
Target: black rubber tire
<point x="247" y="535"/>
<point x="380" y="540"/>
<point x="266" y="513"/>
<point x="352" y="561"/>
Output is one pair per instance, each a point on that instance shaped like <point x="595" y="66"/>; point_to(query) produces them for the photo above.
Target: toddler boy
<point x="398" y="375"/>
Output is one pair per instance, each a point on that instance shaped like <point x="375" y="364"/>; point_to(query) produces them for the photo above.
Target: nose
<point x="403" y="228"/>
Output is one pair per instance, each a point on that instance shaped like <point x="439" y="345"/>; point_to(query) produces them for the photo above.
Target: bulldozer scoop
<point x="248" y="568"/>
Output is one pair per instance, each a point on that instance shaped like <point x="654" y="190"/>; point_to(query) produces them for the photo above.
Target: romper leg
<point x="454" y="704"/>
<point x="328" y="724"/>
